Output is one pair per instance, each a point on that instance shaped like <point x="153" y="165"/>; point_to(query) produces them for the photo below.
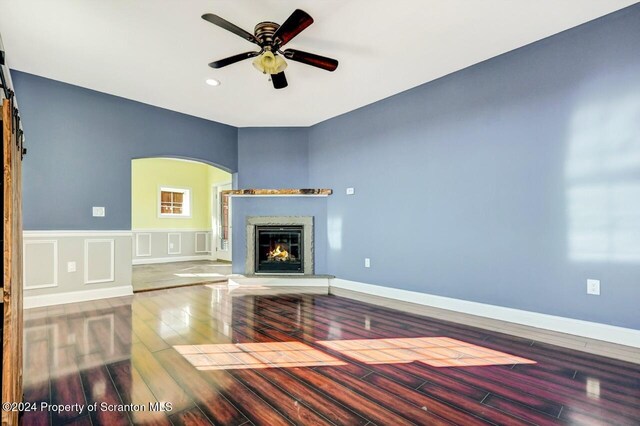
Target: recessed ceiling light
<point x="213" y="82"/>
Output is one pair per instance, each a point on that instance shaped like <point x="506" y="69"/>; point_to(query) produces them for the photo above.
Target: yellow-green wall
<point x="149" y="174"/>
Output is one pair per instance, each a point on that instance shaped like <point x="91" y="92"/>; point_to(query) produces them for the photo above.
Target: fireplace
<point x="279" y="245"/>
<point x="279" y="249"/>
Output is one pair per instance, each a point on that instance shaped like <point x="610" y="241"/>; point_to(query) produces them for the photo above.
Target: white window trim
<point x="188" y="203"/>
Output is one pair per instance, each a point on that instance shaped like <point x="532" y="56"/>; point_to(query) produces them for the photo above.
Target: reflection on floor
<point x="177" y="274"/>
<point x="130" y="357"/>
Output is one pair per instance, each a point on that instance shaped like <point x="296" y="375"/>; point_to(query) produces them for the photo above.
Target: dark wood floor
<point x="346" y="362"/>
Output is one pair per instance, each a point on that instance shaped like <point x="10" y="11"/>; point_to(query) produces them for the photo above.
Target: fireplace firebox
<point x="279" y="250"/>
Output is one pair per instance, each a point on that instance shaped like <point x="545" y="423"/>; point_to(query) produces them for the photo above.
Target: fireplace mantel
<point x="304" y="192"/>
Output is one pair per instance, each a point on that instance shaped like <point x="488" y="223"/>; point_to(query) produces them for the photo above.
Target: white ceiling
<point x="157" y="51"/>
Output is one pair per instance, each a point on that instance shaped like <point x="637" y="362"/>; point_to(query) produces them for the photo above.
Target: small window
<point x="175" y="202"/>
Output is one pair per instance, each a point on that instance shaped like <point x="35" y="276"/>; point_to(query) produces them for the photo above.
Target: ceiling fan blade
<point x="279" y="80"/>
<point x="233" y="59"/>
<point x="222" y="23"/>
<point x="311" y="59"/>
<point x="298" y="21"/>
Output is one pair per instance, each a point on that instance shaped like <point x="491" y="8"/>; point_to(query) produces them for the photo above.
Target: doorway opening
<point x="181" y="223"/>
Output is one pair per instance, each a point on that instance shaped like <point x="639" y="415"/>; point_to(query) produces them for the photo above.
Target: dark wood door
<point x="12" y="265"/>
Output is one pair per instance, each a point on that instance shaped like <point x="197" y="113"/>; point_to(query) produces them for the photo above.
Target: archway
<point x="181" y="229"/>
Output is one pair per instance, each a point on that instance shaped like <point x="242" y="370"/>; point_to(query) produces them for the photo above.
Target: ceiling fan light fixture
<point x="270" y="38"/>
<point x="268" y="63"/>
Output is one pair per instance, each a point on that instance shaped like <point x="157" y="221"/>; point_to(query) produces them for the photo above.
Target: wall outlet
<point x="171" y="246"/>
<point x="98" y="212"/>
<point x="71" y="266"/>
<point x="367" y="262"/>
<point x="593" y="287"/>
<point x="351" y="191"/>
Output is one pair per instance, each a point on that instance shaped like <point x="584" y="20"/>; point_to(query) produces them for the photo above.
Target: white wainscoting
<point x="76" y="296"/>
<point x="143" y="244"/>
<point x="592" y="330"/>
<point x="154" y="245"/>
<point x="174" y="243"/>
<point x="46" y="273"/>
<point x="76" y="266"/>
<point x="102" y="259"/>
<point x="201" y="242"/>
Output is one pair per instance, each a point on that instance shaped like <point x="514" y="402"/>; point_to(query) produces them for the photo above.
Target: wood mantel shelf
<point x="304" y="192"/>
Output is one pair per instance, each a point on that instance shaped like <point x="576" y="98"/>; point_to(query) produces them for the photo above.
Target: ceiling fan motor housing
<point x="264" y="33"/>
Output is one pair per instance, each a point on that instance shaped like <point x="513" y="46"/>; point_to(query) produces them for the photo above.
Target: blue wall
<point x="276" y="158"/>
<point x="509" y="183"/>
<point x="81" y="143"/>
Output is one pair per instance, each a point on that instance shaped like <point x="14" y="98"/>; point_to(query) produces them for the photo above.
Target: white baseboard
<point x="74" y="234"/>
<point x="147" y="261"/>
<point x="76" y="296"/>
<point x="167" y="230"/>
<point x="294" y="281"/>
<point x="592" y="330"/>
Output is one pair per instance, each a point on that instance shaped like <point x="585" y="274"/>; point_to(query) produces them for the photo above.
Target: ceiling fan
<point x="271" y="37"/>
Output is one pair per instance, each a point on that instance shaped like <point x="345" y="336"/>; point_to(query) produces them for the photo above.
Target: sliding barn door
<point x="12" y="265"/>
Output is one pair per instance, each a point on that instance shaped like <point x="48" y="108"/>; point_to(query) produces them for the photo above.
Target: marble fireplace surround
<point x="307" y="231"/>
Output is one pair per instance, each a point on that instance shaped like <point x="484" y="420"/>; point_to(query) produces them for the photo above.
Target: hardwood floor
<point x="157" y="276"/>
<point x="214" y="355"/>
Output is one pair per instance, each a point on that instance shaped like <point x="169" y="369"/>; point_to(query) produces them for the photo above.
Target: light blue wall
<point x="275" y="158"/>
<point x="508" y="183"/>
<point x="81" y="143"/>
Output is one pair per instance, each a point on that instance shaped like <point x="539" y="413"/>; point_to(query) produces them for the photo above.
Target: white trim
<point x="206" y="242"/>
<point x="593" y="330"/>
<point x="276" y="195"/>
<point x="280" y="281"/>
<point x="170" y="259"/>
<point x="62" y="233"/>
<point x="170" y="230"/>
<point x="86" y="261"/>
<point x="55" y="263"/>
<point x="76" y="296"/>
<point x="138" y="254"/>
<point x="169" y="243"/>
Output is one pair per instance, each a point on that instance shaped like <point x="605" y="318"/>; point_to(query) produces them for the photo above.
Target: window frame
<point x="187" y="203"/>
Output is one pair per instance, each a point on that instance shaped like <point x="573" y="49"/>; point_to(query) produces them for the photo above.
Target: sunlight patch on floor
<point x="255" y="355"/>
<point x="434" y="351"/>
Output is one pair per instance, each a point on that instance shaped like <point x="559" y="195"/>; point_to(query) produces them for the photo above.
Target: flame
<point x="279" y="254"/>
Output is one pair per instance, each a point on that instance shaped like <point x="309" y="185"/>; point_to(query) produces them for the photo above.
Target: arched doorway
<point x="181" y="226"/>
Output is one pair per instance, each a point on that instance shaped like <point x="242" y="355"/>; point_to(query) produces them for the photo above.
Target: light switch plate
<point x="98" y="212"/>
<point x="351" y="191"/>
